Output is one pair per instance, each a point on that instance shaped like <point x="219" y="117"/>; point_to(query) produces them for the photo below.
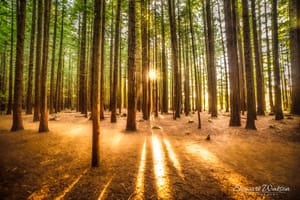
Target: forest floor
<point x="164" y="159"/>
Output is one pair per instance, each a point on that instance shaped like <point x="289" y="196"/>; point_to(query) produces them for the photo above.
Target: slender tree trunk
<point x="38" y="63"/>
<point x="211" y="66"/>
<point x="165" y="103"/>
<point x="231" y="34"/>
<point x="269" y="62"/>
<point x="278" y="103"/>
<point x="113" y="118"/>
<point x="251" y="115"/>
<point x="131" y="115"/>
<point x="31" y="56"/>
<point x="44" y="110"/>
<point x="102" y="63"/>
<point x="51" y="96"/>
<point x="111" y="56"/>
<point x="10" y="82"/>
<point x="58" y="105"/>
<point x="176" y="82"/>
<point x="18" y="90"/>
<point x="83" y="68"/>
<point x="258" y="65"/>
<point x="95" y="63"/>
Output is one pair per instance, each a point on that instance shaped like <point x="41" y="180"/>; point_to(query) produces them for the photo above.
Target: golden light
<point x="139" y="190"/>
<point x="173" y="158"/>
<point x="227" y="177"/>
<point x="162" y="182"/>
<point x="104" y="189"/>
<point x="152" y="74"/>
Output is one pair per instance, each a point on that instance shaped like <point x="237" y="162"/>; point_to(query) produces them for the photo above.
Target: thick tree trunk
<point x="116" y="67"/>
<point x="38" y="63"/>
<point x="131" y="112"/>
<point x="18" y="90"/>
<point x="102" y="62"/>
<point x="44" y="110"/>
<point x="31" y="56"/>
<point x="251" y="115"/>
<point x="278" y="103"/>
<point x="95" y="64"/>
<point x="295" y="54"/>
<point x="231" y="34"/>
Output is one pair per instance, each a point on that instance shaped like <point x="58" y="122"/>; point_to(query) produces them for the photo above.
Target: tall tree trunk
<point x="38" y="63"/>
<point x="31" y="56"/>
<point x="187" y="106"/>
<point x="225" y="64"/>
<point x="269" y="62"/>
<point x="10" y="80"/>
<point x="95" y="64"/>
<point x="176" y="81"/>
<point x="58" y="105"/>
<point x="51" y="96"/>
<point x="83" y="68"/>
<point x="278" y="103"/>
<point x="295" y="54"/>
<point x="111" y="55"/>
<point x="145" y="60"/>
<point x="231" y="34"/>
<point x="211" y="66"/>
<point x="251" y="115"/>
<point x="102" y="62"/>
<point x="258" y="65"/>
<point x="44" y="110"/>
<point x="18" y="90"/>
<point x="165" y="105"/>
<point x="131" y="115"/>
<point x="116" y="67"/>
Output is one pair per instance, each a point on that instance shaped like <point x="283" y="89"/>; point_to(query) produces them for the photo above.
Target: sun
<point x="152" y="75"/>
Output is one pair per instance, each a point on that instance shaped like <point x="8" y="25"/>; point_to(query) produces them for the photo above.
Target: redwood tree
<point x="18" y="90"/>
<point x="131" y="112"/>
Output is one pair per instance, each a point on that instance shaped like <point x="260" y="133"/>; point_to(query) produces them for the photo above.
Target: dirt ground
<point x="164" y="159"/>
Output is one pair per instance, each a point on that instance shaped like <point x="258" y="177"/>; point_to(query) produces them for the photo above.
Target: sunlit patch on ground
<point x="103" y="192"/>
<point x="173" y="158"/>
<point x="139" y="190"/>
<point x="69" y="188"/>
<point x="228" y="179"/>
<point x="41" y="194"/>
<point x="162" y="182"/>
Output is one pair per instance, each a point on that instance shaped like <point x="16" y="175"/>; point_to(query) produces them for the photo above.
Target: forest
<point x="149" y="99"/>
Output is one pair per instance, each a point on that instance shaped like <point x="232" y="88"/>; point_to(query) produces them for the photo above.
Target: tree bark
<point x="43" y="127"/>
<point x="31" y="56"/>
<point x="38" y="63"/>
<point x="10" y="80"/>
<point x="165" y="104"/>
<point x="95" y="63"/>
<point x="251" y="115"/>
<point x="231" y="34"/>
<point x="131" y="115"/>
<point x="18" y="90"/>
<point x="113" y="118"/>
<point x="278" y="103"/>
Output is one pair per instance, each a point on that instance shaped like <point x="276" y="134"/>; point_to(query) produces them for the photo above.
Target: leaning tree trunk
<point x="231" y="34"/>
<point x="44" y="110"/>
<point x="18" y="90"/>
<point x="131" y="113"/>
<point x="278" y="103"/>
<point x="251" y="115"/>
